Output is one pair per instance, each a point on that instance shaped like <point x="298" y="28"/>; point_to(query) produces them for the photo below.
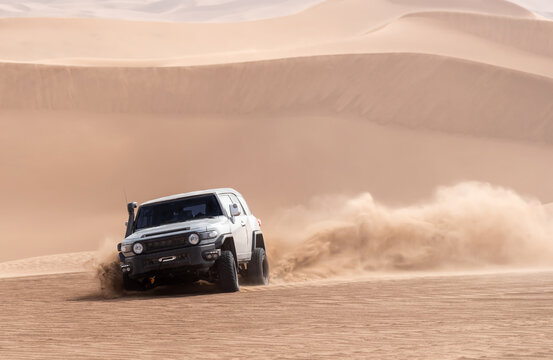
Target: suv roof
<point x="193" y="193"/>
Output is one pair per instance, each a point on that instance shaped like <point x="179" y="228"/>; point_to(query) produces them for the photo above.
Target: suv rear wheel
<point x="258" y="267"/>
<point x="228" y="275"/>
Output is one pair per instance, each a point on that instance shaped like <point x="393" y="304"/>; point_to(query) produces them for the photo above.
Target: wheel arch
<point x="258" y="240"/>
<point x="228" y="244"/>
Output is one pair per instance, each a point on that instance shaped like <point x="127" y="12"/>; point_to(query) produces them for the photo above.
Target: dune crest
<point x="529" y="35"/>
<point x="496" y="7"/>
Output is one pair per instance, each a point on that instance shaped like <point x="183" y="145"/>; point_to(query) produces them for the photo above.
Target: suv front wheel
<point x="228" y="275"/>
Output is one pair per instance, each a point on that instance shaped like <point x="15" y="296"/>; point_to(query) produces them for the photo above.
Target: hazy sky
<point x="543" y="7"/>
<point x="183" y="10"/>
<point x="156" y="10"/>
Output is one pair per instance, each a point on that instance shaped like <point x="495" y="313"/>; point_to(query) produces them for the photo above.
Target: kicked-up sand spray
<point x="468" y="226"/>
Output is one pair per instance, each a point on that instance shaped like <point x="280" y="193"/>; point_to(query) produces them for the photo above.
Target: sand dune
<point x="416" y="33"/>
<point x="382" y="57"/>
<point x="529" y="35"/>
<point x="69" y="39"/>
<point x="409" y="34"/>
<point x="364" y="86"/>
<point x="477" y="38"/>
<point x="506" y="8"/>
<point x="47" y="264"/>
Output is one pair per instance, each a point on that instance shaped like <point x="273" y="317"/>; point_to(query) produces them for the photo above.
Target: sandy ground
<point x="493" y="316"/>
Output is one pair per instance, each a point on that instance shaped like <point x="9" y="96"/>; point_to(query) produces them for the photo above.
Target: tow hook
<point x="167" y="259"/>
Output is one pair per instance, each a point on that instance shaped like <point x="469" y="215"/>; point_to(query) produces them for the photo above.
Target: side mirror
<point x="126" y="223"/>
<point x="234" y="210"/>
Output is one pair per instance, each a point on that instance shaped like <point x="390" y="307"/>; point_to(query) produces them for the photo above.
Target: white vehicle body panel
<point x="242" y="227"/>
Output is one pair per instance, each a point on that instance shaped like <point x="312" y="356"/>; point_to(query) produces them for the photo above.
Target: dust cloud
<point x="467" y="226"/>
<point x="107" y="271"/>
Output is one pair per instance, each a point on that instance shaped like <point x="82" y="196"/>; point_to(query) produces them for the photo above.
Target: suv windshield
<point x="177" y="211"/>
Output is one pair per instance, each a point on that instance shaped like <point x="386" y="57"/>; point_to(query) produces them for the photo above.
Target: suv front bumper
<point x="187" y="258"/>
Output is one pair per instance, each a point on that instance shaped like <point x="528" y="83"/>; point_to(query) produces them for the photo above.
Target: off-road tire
<point x="258" y="268"/>
<point x="228" y="275"/>
<point x="132" y="284"/>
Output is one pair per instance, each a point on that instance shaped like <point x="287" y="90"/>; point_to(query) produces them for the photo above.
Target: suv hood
<point x="199" y="225"/>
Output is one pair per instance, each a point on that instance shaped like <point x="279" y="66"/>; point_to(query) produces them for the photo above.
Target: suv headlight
<point x="138" y="248"/>
<point x="193" y="239"/>
<point x="126" y="248"/>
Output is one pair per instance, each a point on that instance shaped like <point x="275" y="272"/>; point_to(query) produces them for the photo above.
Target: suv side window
<point x="235" y="200"/>
<point x="225" y="203"/>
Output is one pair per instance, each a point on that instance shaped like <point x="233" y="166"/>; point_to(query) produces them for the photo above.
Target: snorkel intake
<point x="130" y="222"/>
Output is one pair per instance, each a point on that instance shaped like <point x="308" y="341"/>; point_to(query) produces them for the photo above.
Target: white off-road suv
<point x="209" y="235"/>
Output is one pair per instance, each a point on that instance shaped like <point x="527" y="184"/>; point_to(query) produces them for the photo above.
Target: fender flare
<point x="226" y="242"/>
<point x="257" y="240"/>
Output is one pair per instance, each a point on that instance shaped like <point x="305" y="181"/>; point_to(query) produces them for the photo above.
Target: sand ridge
<point x="359" y="85"/>
<point x="163" y="45"/>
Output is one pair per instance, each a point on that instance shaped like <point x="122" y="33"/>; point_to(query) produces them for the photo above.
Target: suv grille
<point x="166" y="243"/>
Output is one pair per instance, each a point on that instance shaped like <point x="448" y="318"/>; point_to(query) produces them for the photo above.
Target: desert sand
<point x="433" y="317"/>
<point x="398" y="153"/>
